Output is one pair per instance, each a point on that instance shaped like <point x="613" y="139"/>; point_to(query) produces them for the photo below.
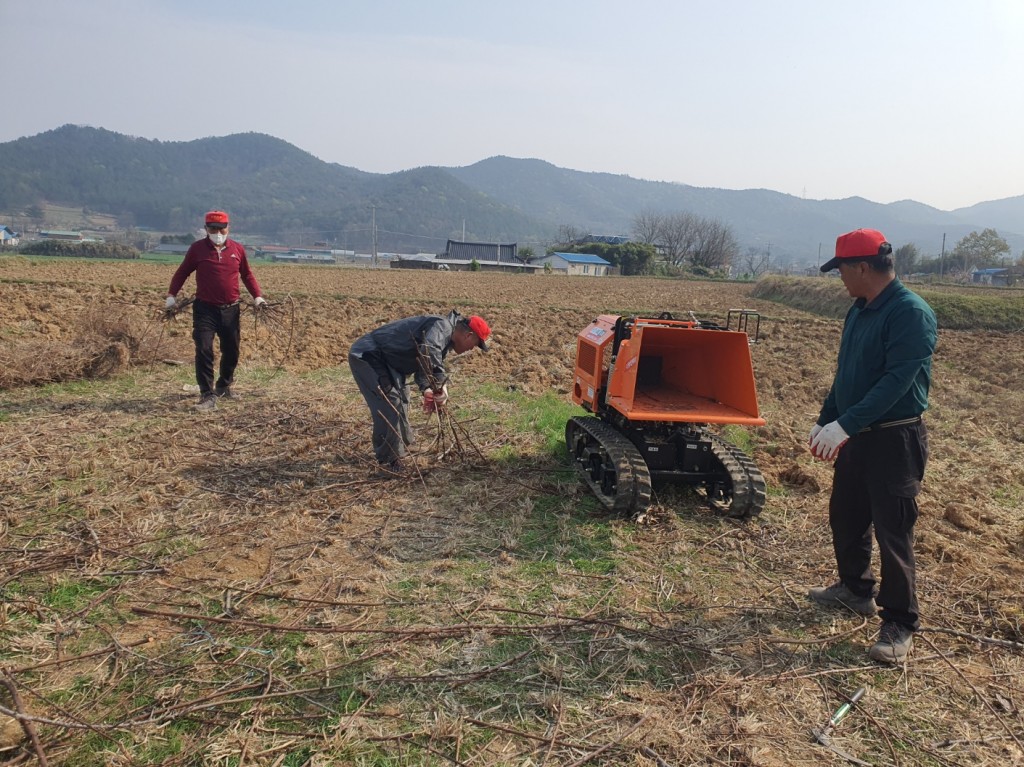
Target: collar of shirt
<point x="880" y="300"/>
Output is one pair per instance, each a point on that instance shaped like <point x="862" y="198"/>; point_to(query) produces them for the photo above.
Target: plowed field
<point x="239" y="588"/>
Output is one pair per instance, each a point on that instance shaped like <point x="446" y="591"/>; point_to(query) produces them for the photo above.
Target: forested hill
<point x="274" y="189"/>
<point x="269" y="186"/>
<point x="607" y="204"/>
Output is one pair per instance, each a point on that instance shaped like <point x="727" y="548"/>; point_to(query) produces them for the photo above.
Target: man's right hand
<point x="440" y="397"/>
<point x="828" y="441"/>
<point x="171" y="302"/>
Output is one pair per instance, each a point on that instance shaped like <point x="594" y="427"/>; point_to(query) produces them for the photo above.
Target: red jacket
<point x="217" y="273"/>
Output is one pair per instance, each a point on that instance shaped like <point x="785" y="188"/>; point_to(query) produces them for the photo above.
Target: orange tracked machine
<point x="658" y="390"/>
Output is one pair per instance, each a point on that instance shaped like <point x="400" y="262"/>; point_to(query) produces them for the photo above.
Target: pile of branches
<point x="103" y="343"/>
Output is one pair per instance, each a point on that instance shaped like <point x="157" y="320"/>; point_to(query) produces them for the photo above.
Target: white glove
<point x="814" y="433"/>
<point x="260" y="300"/>
<point x="828" y="441"/>
<point x="171" y="302"/>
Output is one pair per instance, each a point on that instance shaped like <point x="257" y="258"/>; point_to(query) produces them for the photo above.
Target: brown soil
<point x="119" y="483"/>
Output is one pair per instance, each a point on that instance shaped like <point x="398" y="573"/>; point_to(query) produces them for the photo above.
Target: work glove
<point x="814" y="433"/>
<point x="260" y="301"/>
<point x="827" y="442"/>
<point x="429" y="406"/>
<point x="442" y="396"/>
<point x="171" y="302"/>
<point x="432" y="402"/>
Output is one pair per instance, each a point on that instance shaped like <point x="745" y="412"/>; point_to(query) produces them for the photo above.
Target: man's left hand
<point x="827" y="442"/>
<point x="260" y="302"/>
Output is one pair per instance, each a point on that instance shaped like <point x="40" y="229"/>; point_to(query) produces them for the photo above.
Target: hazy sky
<point x="884" y="99"/>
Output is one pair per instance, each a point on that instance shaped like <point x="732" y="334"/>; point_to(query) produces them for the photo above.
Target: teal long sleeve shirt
<point x="885" y="361"/>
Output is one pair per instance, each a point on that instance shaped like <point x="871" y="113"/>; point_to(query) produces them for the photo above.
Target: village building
<point x="583" y="264"/>
<point x="8" y="237"/>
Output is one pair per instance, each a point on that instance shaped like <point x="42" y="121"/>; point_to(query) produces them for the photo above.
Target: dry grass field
<point x="241" y="588"/>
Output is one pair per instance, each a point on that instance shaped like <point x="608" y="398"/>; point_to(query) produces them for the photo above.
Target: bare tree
<point x="678" y="236"/>
<point x="756" y="261"/>
<point x="647" y="227"/>
<point x="568" y="234"/>
<point x="715" y="247"/>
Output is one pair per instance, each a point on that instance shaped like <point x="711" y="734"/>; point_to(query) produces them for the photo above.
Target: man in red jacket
<point x="218" y="263"/>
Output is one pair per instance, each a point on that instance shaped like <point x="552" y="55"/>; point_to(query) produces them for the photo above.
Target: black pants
<point x="209" y="320"/>
<point x="877" y="478"/>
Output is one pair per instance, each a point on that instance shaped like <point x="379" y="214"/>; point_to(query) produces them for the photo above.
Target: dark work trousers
<point x="209" y="320"/>
<point x="385" y="395"/>
<point x="877" y="478"/>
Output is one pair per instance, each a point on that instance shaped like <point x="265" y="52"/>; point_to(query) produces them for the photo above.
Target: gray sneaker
<point x="893" y="645"/>
<point x="227" y="393"/>
<point x="838" y="595"/>
<point x="209" y="402"/>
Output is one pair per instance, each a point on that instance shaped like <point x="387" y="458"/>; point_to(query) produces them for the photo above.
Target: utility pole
<point x="463" y="230"/>
<point x="819" y="256"/>
<point x="942" y="255"/>
<point x="373" y="229"/>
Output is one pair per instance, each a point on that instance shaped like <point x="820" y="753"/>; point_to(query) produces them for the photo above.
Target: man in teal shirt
<point x="870" y="425"/>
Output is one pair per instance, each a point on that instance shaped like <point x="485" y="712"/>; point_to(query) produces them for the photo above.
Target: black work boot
<point x="838" y="595"/>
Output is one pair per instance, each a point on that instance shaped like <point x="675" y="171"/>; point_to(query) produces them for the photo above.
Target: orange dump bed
<point x="667" y="370"/>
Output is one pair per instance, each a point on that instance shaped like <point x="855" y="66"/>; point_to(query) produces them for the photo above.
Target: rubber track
<point x="748" y="485"/>
<point x="632" y="477"/>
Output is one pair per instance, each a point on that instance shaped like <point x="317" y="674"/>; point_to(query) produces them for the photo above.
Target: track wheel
<point x="610" y="464"/>
<point x="738" y="490"/>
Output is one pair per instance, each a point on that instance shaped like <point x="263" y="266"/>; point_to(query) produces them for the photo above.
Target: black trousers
<point x="875" y="486"/>
<point x="209" y="321"/>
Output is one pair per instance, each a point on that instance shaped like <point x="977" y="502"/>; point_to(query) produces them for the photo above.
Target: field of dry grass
<point x="241" y="588"/>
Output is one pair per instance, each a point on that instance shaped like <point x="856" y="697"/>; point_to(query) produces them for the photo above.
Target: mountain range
<point x="279" y="192"/>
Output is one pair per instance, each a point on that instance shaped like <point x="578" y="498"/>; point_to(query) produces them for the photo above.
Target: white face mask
<point x="218" y="238"/>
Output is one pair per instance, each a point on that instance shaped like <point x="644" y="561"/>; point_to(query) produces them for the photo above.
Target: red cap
<point x="217" y="218"/>
<point x="481" y="328"/>
<point x="860" y="243"/>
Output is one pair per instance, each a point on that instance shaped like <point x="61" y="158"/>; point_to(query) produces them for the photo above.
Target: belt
<point x="890" y="424"/>
<point x="222" y="306"/>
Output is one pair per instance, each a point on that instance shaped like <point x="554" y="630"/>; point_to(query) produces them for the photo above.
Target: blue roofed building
<point x="999" y="276"/>
<point x="576" y="264"/>
<point x="8" y="237"/>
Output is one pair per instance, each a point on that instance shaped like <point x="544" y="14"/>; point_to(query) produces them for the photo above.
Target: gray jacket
<point x="413" y="346"/>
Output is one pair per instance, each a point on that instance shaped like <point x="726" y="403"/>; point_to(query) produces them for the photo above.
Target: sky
<point x="882" y="99"/>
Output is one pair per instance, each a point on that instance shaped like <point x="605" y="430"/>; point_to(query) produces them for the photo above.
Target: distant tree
<point x="36" y="213"/>
<point x="647" y="227"/>
<point x="568" y="234"/>
<point x="526" y="254"/>
<point x="678" y="236"/>
<point x="474" y="265"/>
<point x="907" y="259"/>
<point x="756" y="261"/>
<point x="78" y="249"/>
<point x="183" y="239"/>
<point x="716" y="246"/>
<point x="978" y="251"/>
<point x="636" y="258"/>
